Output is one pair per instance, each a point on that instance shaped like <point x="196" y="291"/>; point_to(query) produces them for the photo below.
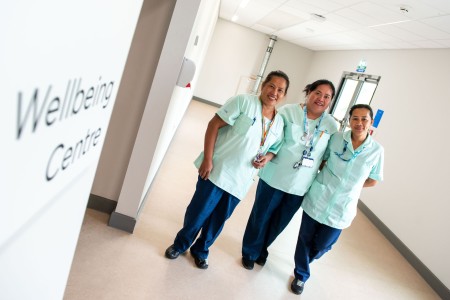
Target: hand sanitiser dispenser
<point x="187" y="72"/>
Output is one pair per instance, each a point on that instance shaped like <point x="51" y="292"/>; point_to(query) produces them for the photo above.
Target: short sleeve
<point x="231" y="110"/>
<point x="326" y="155"/>
<point x="377" y="170"/>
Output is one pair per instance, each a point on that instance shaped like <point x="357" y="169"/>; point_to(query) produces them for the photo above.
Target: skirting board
<point x="101" y="204"/>
<point x="206" y="101"/>
<point x="426" y="274"/>
<point x="122" y="222"/>
<point x="108" y="206"/>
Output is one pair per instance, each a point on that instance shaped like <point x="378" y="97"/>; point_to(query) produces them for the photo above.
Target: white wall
<point x="412" y="201"/>
<point x="148" y="85"/>
<point x="236" y="51"/>
<point x="163" y="85"/>
<point x="140" y="69"/>
<point x="196" y="49"/>
<point x="55" y="58"/>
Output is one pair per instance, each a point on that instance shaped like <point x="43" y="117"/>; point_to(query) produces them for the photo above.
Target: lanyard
<point x="355" y="154"/>
<point x="307" y="137"/>
<point x="264" y="131"/>
<point x="305" y="160"/>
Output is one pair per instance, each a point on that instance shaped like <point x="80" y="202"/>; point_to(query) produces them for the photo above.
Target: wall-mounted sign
<point x="61" y="65"/>
<point x="377" y="118"/>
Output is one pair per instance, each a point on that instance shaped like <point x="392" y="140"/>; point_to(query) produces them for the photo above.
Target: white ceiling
<point x="349" y="24"/>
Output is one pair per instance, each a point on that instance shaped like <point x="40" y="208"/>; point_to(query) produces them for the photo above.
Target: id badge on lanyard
<point x="307" y="162"/>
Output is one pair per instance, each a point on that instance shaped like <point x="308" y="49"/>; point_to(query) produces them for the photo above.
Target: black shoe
<point x="172" y="253"/>
<point x="297" y="286"/>
<point x="248" y="264"/>
<point x="200" y="262"/>
<point x="261" y="261"/>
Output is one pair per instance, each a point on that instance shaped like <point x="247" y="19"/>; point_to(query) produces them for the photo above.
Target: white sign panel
<point x="60" y="67"/>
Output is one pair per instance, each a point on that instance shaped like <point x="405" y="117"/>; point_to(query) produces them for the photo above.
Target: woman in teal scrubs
<point x="353" y="161"/>
<point x="244" y="134"/>
<point x="286" y="178"/>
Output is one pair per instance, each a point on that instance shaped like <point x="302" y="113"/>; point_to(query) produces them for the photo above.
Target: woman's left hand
<point x="259" y="164"/>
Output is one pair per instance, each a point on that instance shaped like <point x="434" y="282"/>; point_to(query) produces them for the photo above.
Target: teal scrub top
<point x="238" y="143"/>
<point x="279" y="172"/>
<point x="333" y="197"/>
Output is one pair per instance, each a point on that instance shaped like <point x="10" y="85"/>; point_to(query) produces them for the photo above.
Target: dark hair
<point x="312" y="86"/>
<point x="277" y="73"/>
<point x="356" y="106"/>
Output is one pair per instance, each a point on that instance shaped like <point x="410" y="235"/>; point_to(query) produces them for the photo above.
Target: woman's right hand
<point x="205" y="169"/>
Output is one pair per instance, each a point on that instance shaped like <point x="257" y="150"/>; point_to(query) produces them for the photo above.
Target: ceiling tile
<point x="343" y="21"/>
<point x="417" y="9"/>
<point x="294" y="32"/>
<point x="347" y="25"/>
<point x="377" y="35"/>
<point x="446" y="43"/>
<point x="305" y="7"/>
<point x="400" y="33"/>
<point x="441" y="23"/>
<point x="382" y="14"/>
<point x="278" y="19"/>
<point x="296" y="12"/>
<point x="442" y="5"/>
<point x="263" y="29"/>
<point x="362" y="19"/>
<point x="427" y="44"/>
<point x="309" y="28"/>
<point x="424" y="30"/>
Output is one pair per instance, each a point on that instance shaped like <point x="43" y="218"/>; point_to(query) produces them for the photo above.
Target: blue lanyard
<point x="306" y="136"/>
<point x="355" y="154"/>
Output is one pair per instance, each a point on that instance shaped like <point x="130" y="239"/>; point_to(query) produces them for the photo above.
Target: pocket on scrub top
<point x="317" y="188"/>
<point x="242" y="124"/>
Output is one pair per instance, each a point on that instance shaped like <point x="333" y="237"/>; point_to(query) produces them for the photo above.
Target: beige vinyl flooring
<point x="112" y="264"/>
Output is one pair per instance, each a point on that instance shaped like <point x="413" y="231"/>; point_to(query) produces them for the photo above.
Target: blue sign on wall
<point x="377" y="118"/>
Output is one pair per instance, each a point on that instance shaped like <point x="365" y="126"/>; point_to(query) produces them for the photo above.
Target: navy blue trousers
<point x="271" y="213"/>
<point x="314" y="240"/>
<point x="208" y="210"/>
